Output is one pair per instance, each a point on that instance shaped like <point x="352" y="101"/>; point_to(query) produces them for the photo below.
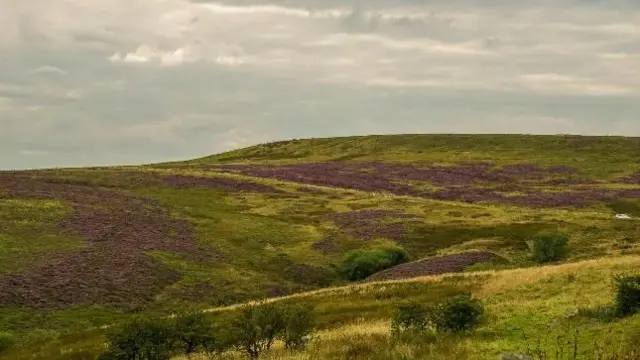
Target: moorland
<point x="82" y="249"/>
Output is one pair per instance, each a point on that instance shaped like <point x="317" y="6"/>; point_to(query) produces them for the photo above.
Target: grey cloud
<point x="219" y="75"/>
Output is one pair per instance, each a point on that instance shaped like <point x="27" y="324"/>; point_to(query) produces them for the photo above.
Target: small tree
<point x="196" y="333"/>
<point x="299" y="324"/>
<point x="142" y="338"/>
<point x="256" y="328"/>
<point x="548" y="248"/>
<point x="627" y="301"/>
<point x="6" y="341"/>
<point x="409" y="317"/>
<point x="457" y="314"/>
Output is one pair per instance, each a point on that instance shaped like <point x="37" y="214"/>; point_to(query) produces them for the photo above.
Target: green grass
<point x="29" y="233"/>
<point x="523" y="307"/>
<point x="264" y="244"/>
<point x="598" y="156"/>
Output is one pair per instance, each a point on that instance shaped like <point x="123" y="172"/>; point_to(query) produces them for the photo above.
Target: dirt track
<point x="435" y="266"/>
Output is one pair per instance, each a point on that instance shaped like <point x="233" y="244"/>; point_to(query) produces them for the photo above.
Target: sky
<point x="103" y="82"/>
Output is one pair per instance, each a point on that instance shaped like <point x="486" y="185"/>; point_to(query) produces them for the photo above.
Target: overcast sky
<point x="92" y="82"/>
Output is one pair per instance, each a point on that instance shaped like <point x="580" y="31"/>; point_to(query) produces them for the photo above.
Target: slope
<point x="86" y="247"/>
<point x="524" y="309"/>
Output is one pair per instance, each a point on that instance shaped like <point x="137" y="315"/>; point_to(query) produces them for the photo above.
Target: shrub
<point x="299" y="324"/>
<point x="256" y="328"/>
<point x="6" y="341"/>
<point x="142" y="338"/>
<point x="196" y="333"/>
<point x="457" y="314"/>
<point x="359" y="264"/>
<point x="409" y="317"/>
<point x="548" y="248"/>
<point x="79" y="355"/>
<point x="627" y="301"/>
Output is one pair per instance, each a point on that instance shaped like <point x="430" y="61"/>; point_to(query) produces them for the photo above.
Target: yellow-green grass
<point x="598" y="156"/>
<point x="29" y="233"/>
<point x="522" y="307"/>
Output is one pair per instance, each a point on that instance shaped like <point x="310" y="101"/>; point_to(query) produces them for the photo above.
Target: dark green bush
<point x="79" y="355"/>
<point x="256" y="328"/>
<point x="299" y="324"/>
<point x="457" y="314"/>
<point x="409" y="317"/>
<point x="549" y="247"/>
<point x="195" y="332"/>
<point x="627" y="301"/>
<point x="142" y="338"/>
<point x="6" y="341"/>
<point x="359" y="264"/>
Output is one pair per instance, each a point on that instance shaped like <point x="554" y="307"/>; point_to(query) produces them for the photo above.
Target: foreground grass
<point x="523" y="307"/>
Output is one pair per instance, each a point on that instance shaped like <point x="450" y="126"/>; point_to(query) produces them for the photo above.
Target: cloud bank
<point x="115" y="81"/>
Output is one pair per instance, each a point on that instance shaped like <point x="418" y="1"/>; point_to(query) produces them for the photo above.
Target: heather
<point x="91" y="247"/>
<point x="467" y="182"/>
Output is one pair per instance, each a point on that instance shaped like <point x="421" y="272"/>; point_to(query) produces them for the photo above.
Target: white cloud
<point x="29" y="152"/>
<point x="48" y="69"/>
<point x="557" y="83"/>
<point x="229" y="60"/>
<point x="238" y="138"/>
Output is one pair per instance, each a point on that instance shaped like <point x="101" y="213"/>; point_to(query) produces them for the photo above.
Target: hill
<point x="82" y="248"/>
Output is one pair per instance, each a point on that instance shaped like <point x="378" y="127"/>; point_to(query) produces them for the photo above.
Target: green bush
<point x="627" y="301"/>
<point x="457" y="314"/>
<point x="549" y="247"/>
<point x="195" y="333"/>
<point x="6" y="341"/>
<point x="79" y="355"/>
<point x="359" y="264"/>
<point x="142" y="338"/>
<point x="256" y="328"/>
<point x="409" y="317"/>
<point x="299" y="324"/>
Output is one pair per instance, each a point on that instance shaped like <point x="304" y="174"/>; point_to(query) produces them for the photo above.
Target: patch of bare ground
<point x="435" y="266"/>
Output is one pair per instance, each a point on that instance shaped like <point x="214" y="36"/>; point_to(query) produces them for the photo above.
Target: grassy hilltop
<point x="83" y="248"/>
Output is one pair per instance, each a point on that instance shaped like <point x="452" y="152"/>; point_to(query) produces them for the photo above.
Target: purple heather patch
<point x="370" y="224"/>
<point x="229" y="185"/>
<point x="377" y="176"/>
<point x="534" y="171"/>
<point x="465" y="182"/>
<point x="631" y="179"/>
<point x="113" y="269"/>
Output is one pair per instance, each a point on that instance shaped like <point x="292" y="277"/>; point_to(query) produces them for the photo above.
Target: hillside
<point x="82" y="248"/>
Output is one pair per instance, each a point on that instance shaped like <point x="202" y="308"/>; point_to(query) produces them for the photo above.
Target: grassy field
<point x="524" y="307"/>
<point x="84" y="248"/>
